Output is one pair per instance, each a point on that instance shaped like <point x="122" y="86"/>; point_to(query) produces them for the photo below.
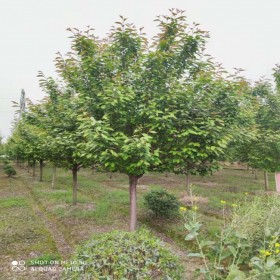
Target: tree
<point x="56" y="116"/>
<point x="132" y="107"/>
<point x="264" y="149"/>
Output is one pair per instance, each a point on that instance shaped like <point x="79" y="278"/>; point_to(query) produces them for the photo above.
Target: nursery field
<point x="40" y="228"/>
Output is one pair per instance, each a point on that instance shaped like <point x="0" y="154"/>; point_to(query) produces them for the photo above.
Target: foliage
<point x="132" y="105"/>
<point x="1" y="146"/>
<point x="261" y="149"/>
<point x="4" y="159"/>
<point x="161" y="203"/>
<point x="9" y="170"/>
<point x="247" y="239"/>
<point x="266" y="265"/>
<point x="124" y="255"/>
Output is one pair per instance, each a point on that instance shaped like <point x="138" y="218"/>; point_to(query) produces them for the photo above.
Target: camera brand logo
<point x="18" y="265"/>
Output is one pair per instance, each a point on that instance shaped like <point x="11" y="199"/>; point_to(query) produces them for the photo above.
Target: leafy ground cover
<point x="40" y="222"/>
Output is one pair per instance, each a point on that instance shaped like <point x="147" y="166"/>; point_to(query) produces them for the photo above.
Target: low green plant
<point x="245" y="248"/>
<point x="161" y="203"/>
<point x="266" y="265"/>
<point x="123" y="255"/>
<point x="9" y="170"/>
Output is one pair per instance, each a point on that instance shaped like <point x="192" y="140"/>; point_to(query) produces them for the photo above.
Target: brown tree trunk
<point x="41" y="170"/>
<point x="34" y="168"/>
<point x="53" y="176"/>
<point x="188" y="179"/>
<point x="265" y="181"/>
<point x="75" y="183"/>
<point x="133" y="203"/>
<point x="28" y="165"/>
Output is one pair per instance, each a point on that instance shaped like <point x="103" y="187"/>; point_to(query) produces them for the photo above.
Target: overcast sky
<point x="244" y="34"/>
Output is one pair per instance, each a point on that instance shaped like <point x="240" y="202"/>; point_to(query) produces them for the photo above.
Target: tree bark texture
<point x="133" y="202"/>
<point x="188" y="179"/>
<point x="41" y="170"/>
<point x="75" y="184"/>
<point x="53" y="176"/>
<point x="265" y="180"/>
<point x="34" y="168"/>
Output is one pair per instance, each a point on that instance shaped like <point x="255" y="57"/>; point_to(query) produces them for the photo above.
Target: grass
<point x="22" y="233"/>
<point x="103" y="205"/>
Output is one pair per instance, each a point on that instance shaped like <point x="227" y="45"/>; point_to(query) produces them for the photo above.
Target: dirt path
<point x="56" y="229"/>
<point x="27" y="232"/>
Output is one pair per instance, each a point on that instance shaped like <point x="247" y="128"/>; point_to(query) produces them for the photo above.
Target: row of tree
<point x="132" y="105"/>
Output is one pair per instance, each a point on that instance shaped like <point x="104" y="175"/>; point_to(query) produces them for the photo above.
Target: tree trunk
<point x="265" y="181"/>
<point x="34" y="168"/>
<point x="53" y="176"/>
<point x="133" y="204"/>
<point x="41" y="170"/>
<point x="28" y="165"/>
<point x="110" y="175"/>
<point x="75" y="183"/>
<point x="166" y="174"/>
<point x="188" y="179"/>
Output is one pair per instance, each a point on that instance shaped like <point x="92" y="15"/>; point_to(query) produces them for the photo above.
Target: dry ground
<point x="40" y="222"/>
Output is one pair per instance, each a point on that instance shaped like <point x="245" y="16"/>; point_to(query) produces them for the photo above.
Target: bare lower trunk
<point x="41" y="170"/>
<point x="53" y="176"/>
<point x="28" y="165"/>
<point x="166" y="174"/>
<point x="265" y="181"/>
<point x="133" y="204"/>
<point x="75" y="184"/>
<point x="110" y="175"/>
<point x="34" y="168"/>
<point x="188" y="179"/>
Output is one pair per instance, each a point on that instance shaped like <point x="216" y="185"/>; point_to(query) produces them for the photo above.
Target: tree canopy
<point x="134" y="105"/>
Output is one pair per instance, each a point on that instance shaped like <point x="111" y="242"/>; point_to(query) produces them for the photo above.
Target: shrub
<point x="9" y="170"/>
<point x="161" y="203"/>
<point x="123" y="255"/>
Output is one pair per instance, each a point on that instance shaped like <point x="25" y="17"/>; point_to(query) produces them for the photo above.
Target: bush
<point x="9" y="170"/>
<point x="123" y="255"/>
<point x="161" y="203"/>
<point x="4" y="159"/>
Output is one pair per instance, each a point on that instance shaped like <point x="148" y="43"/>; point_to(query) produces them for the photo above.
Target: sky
<point x="243" y="34"/>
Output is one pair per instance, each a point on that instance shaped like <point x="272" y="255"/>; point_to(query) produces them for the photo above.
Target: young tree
<point x="58" y="117"/>
<point x="159" y="106"/>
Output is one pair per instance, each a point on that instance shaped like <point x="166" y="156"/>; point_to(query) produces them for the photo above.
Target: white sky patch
<point x="244" y="34"/>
